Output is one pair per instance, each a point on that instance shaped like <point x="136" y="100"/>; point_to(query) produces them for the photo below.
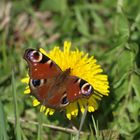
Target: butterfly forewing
<point x="40" y="66"/>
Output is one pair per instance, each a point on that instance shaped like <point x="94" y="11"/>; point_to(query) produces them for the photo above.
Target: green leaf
<point x="69" y="22"/>
<point x="3" y="131"/>
<point x="54" y="6"/>
<point x="136" y="84"/>
<point x="122" y="31"/>
<point x="123" y="64"/>
<point x="98" y="22"/>
<point x="121" y="91"/>
<point x="81" y="23"/>
<point x="122" y="26"/>
<point x="134" y="48"/>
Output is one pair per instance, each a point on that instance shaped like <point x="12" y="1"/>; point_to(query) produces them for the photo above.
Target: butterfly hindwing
<point x="78" y="88"/>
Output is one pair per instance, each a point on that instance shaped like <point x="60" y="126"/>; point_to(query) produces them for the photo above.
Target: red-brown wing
<point x="42" y="73"/>
<point x="40" y="66"/>
<point x="46" y="92"/>
<point x="59" y="96"/>
<point x="77" y="88"/>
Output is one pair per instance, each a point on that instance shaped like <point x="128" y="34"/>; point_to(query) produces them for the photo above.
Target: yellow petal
<point x="43" y="51"/>
<point x="69" y="110"/>
<point x="68" y="116"/>
<point x="25" y="80"/>
<point x="51" y="112"/>
<point x="47" y="111"/>
<point x="74" y="109"/>
<point x="82" y="104"/>
<point x="27" y="91"/>
<point x="42" y="108"/>
<point x="27" y="87"/>
<point x="83" y="110"/>
<point x="67" y="45"/>
<point x="36" y="102"/>
<point x="91" y="109"/>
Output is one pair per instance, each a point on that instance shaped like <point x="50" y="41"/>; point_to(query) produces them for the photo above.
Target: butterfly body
<point x="53" y="87"/>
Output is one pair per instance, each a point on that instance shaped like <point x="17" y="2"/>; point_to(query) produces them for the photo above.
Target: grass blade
<point x="97" y="134"/>
<point x="81" y="123"/>
<point x="17" y="122"/>
<point x="39" y="131"/>
<point x="3" y="132"/>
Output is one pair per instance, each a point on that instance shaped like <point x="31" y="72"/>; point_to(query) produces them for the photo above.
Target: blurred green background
<point x="109" y="30"/>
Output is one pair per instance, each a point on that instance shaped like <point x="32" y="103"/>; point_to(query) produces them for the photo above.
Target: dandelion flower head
<point x="82" y="66"/>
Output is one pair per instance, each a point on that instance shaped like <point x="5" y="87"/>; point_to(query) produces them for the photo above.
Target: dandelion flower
<point x="82" y="66"/>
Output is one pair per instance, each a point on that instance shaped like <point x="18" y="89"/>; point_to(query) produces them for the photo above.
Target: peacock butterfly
<point x="53" y="87"/>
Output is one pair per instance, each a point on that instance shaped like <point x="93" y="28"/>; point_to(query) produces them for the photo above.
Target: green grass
<point x="109" y="30"/>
